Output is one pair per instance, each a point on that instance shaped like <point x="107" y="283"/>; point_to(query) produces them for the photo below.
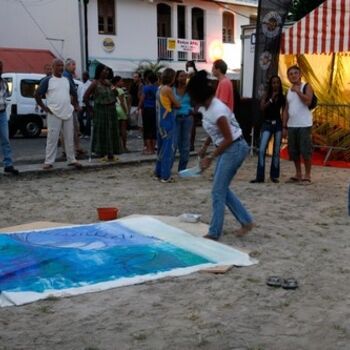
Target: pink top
<point x="224" y="92"/>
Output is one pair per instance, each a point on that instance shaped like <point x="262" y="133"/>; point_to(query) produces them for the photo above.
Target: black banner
<point x="271" y="17"/>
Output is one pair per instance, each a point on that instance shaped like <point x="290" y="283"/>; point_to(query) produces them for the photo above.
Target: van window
<point x="28" y="87"/>
<point x="10" y="85"/>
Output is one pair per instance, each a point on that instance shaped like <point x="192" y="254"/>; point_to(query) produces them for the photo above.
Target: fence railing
<point x="331" y="130"/>
<point x="335" y="114"/>
<point x="165" y="54"/>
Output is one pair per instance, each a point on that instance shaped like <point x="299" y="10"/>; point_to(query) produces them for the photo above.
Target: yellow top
<point x="165" y="101"/>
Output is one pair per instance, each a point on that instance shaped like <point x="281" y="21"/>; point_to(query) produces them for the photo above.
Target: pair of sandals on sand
<point x="277" y="282"/>
<point x="294" y="179"/>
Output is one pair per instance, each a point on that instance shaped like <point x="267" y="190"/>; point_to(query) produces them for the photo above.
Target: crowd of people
<point x="164" y="109"/>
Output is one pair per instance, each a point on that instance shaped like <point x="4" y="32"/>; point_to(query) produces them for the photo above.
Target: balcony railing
<point x="168" y="55"/>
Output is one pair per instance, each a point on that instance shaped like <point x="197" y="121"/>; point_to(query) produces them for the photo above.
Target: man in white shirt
<point x="297" y="124"/>
<point x="58" y="91"/>
<point x="84" y="113"/>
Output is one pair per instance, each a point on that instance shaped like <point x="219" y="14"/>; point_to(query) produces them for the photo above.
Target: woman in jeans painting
<point x="271" y="105"/>
<point x="230" y="151"/>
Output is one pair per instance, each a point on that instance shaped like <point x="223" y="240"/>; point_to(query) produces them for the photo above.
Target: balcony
<point x="176" y="55"/>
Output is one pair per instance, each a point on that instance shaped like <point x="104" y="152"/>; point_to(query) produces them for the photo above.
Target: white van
<point x="22" y="110"/>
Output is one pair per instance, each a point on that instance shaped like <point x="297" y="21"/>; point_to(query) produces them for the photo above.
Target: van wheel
<point x="31" y="129"/>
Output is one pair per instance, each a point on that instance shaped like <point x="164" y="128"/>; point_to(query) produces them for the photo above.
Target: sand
<point x="302" y="232"/>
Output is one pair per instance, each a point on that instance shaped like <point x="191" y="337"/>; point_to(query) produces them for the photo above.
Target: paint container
<point x="190" y="217"/>
<point x="106" y="214"/>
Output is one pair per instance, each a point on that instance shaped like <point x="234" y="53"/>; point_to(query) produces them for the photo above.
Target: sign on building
<point x="183" y="45"/>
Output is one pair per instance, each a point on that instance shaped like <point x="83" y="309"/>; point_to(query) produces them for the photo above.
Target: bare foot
<point x="244" y="229"/>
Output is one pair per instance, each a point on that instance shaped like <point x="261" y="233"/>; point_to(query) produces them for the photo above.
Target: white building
<point x="41" y="24"/>
<point x="123" y="33"/>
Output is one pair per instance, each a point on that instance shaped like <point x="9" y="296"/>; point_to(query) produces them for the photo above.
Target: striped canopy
<point x="324" y="30"/>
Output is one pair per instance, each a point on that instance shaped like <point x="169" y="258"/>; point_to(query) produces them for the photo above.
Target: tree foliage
<point x="148" y="66"/>
<point x="300" y="8"/>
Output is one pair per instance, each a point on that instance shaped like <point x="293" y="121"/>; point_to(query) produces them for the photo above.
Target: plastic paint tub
<point x="106" y="214"/>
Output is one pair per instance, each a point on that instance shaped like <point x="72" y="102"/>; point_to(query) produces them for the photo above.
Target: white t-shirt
<point x="299" y="114"/>
<point x="58" y="96"/>
<point x="81" y="92"/>
<point x="216" y="110"/>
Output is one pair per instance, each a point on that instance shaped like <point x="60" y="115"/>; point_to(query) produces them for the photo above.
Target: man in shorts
<point x="297" y="124"/>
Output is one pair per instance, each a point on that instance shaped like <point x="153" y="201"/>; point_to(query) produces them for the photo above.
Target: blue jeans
<point x="226" y="167"/>
<point x="267" y="131"/>
<point x="183" y="135"/>
<point x="166" y="147"/>
<point x="4" y="138"/>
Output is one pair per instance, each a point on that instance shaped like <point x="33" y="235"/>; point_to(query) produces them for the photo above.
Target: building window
<point x="228" y="28"/>
<point x="197" y="24"/>
<point x="164" y="20"/>
<point x="106" y="16"/>
<point x="181" y="22"/>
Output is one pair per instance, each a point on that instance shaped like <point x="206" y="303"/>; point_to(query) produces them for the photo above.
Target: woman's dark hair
<point x="168" y="76"/>
<point x="280" y="98"/>
<point x="176" y="84"/>
<point x="152" y="77"/>
<point x="100" y="67"/>
<point x="200" y="88"/>
<point x="110" y="73"/>
<point x="116" y="79"/>
<point x="269" y="86"/>
<point x="146" y="73"/>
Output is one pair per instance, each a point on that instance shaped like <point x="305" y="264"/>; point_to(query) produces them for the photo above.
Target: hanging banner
<point x="183" y="45"/>
<point x="271" y="17"/>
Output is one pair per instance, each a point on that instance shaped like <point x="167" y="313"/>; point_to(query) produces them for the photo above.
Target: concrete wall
<point x="30" y="27"/>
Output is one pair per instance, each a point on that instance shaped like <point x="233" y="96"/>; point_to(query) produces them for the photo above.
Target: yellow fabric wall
<point x="329" y="75"/>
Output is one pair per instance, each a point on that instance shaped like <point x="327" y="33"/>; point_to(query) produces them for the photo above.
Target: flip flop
<point x="274" y="281"/>
<point x="293" y="179"/>
<point x="208" y="236"/>
<point x="47" y="166"/>
<point x="289" y="283"/>
<point x="306" y="181"/>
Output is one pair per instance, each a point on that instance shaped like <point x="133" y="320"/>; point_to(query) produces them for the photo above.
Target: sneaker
<point x="10" y="170"/>
<point x="167" y="181"/>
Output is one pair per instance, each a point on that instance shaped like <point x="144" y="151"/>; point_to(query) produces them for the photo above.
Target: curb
<point x="124" y="159"/>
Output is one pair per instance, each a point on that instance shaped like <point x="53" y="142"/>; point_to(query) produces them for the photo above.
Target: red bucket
<point x="106" y="214"/>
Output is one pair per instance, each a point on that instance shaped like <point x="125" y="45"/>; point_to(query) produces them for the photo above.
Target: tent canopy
<point x="25" y="60"/>
<point x="324" y="30"/>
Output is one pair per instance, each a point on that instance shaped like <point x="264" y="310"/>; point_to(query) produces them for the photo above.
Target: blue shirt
<point x="150" y="92"/>
<point x="185" y="101"/>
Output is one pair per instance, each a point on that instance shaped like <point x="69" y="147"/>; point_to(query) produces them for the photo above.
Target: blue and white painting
<point x="78" y="259"/>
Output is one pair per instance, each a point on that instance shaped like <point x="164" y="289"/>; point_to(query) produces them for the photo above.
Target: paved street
<point x="31" y="151"/>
